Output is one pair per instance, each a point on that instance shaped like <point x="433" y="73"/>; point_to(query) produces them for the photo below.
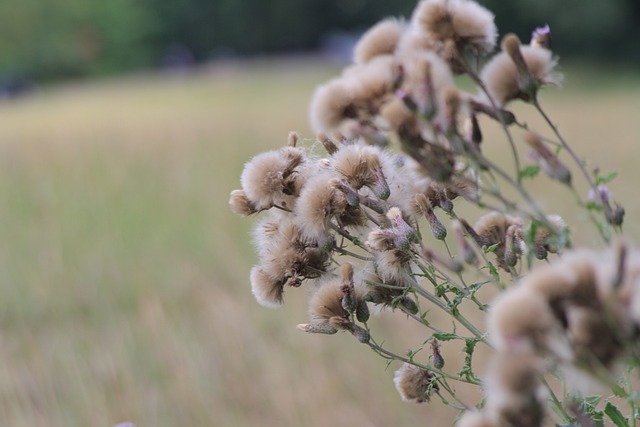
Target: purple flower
<point x="541" y="37"/>
<point x="541" y="32"/>
<point x="603" y="194"/>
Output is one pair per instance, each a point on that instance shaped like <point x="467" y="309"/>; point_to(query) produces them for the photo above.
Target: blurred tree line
<point x="48" y="39"/>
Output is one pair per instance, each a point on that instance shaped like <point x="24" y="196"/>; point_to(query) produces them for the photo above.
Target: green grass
<point x="124" y="277"/>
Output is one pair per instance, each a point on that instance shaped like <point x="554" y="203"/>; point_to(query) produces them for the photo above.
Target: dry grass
<point x="124" y="276"/>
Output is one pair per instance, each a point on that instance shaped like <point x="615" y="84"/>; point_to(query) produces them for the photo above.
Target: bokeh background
<point x="124" y="125"/>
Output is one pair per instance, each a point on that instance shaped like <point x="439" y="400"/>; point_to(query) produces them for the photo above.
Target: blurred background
<point x="124" y="125"/>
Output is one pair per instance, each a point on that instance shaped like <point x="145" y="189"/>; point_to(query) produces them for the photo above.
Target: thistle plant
<point x="368" y="215"/>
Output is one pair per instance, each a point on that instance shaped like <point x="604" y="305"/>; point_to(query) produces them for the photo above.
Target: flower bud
<point x="510" y="255"/>
<point x="362" y="311"/>
<point x="614" y="216"/>
<point x="375" y="205"/>
<point x="293" y="139"/>
<point x="327" y="143"/>
<point x="409" y="304"/>
<point x="381" y="188"/>
<point x="465" y="250"/>
<point x="352" y="196"/>
<point x="437" y="228"/>
<point x="436" y="356"/>
<point x="360" y="333"/>
<point x="526" y="82"/>
<point x="548" y="161"/>
<point x="472" y="130"/>
<point x="317" y="328"/>
<point x="348" y="291"/>
<point x="402" y="227"/>
<point x="449" y="117"/>
<point x="541" y="37"/>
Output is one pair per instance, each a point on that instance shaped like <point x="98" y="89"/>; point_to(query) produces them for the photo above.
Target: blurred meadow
<point x="124" y="276"/>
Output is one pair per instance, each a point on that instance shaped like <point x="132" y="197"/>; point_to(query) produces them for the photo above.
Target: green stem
<point x="555" y="402"/>
<point x="477" y="80"/>
<point x="392" y="356"/>
<point x="574" y="156"/>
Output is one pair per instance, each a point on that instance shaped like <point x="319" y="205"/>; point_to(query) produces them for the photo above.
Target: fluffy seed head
<point x="326" y="301"/>
<point x="273" y="178"/>
<point x="426" y="76"/>
<point x="267" y="290"/>
<point x="500" y="75"/>
<point x="381" y="240"/>
<point x="493" y="226"/>
<point x="360" y="165"/>
<point x="463" y="22"/>
<point x="380" y="39"/>
<point x="514" y="392"/>
<point x="394" y="267"/>
<point x="318" y="204"/>
<point x="545" y="239"/>
<point x="240" y="204"/>
<point x="573" y="281"/>
<point x="521" y="320"/>
<point x="399" y="117"/>
<point x="414" y="383"/>
<point x="592" y="336"/>
<point x="331" y="104"/>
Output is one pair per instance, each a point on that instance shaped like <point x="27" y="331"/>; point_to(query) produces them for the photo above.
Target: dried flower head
<point x="522" y="320"/>
<point x="362" y="166"/>
<point x="414" y="383"/>
<point x="240" y="203"/>
<point x="371" y="81"/>
<point x="394" y="267"/>
<point x="382" y="239"/>
<point x="318" y="204"/>
<point x="501" y="77"/>
<point x="515" y="395"/>
<point x="399" y="117"/>
<point x="332" y="104"/>
<point x="286" y="258"/>
<point x="326" y="302"/>
<point x="381" y="39"/>
<point x="267" y="290"/>
<point x="491" y="229"/>
<point x="548" y="161"/>
<point x="546" y="240"/>
<point x="425" y="77"/>
<point x="273" y="178"/>
<point x="327" y="311"/>
<point x="350" y="104"/>
<point x="456" y="25"/>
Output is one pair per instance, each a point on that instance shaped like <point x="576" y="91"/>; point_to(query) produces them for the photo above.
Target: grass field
<point x="124" y="277"/>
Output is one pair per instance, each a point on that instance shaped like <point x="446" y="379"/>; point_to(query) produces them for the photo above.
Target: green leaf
<point x="444" y="336"/>
<point x="607" y="178"/>
<point x="529" y="171"/>
<point x="594" y="206"/>
<point x="491" y="249"/>
<point x="615" y="415"/>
